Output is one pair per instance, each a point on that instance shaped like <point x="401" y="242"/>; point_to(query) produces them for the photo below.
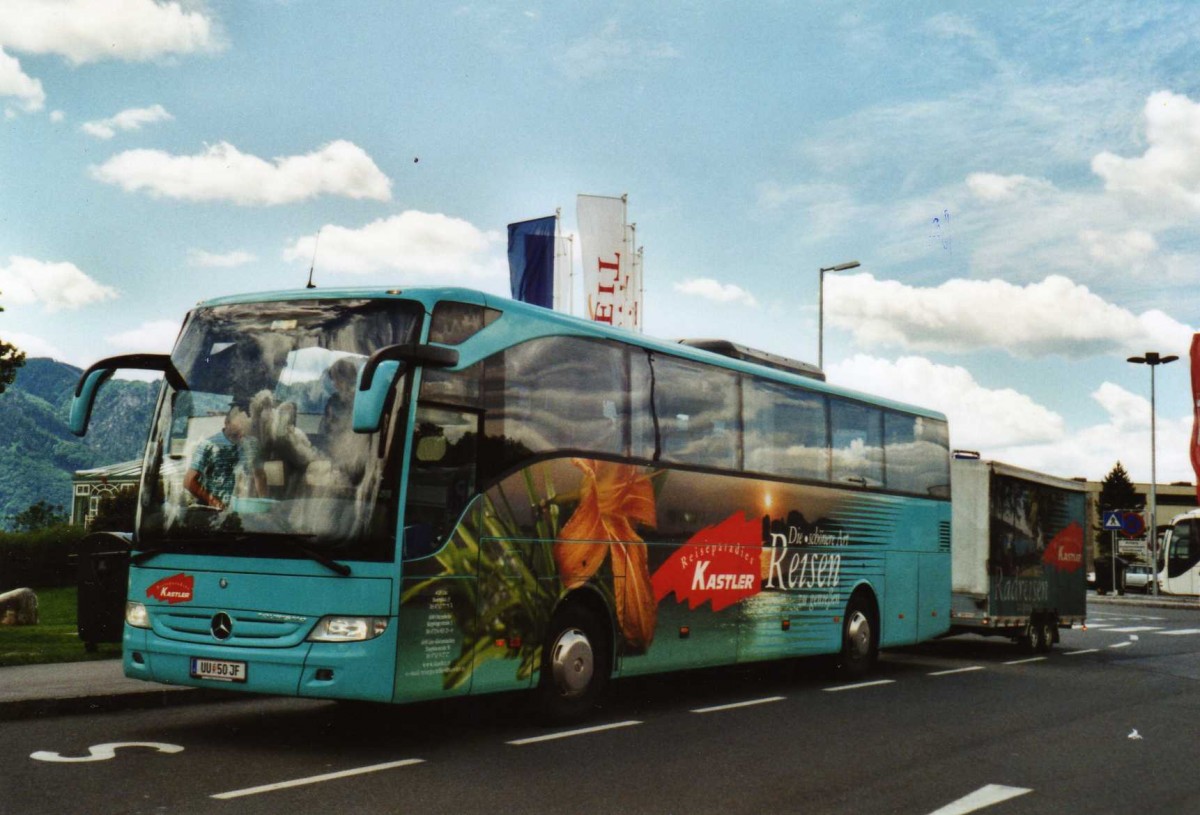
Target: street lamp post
<point x="1153" y="359"/>
<point x="841" y="267"/>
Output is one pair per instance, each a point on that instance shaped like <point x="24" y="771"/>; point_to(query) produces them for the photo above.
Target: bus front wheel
<point x="575" y="666"/>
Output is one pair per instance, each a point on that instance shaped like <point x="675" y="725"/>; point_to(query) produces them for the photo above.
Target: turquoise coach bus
<point x="409" y="494"/>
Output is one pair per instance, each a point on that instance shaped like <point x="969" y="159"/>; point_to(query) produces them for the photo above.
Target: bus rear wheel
<point x="575" y="666"/>
<point x="860" y="639"/>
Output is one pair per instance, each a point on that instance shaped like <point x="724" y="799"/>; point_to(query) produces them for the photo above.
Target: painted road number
<point x="220" y="670"/>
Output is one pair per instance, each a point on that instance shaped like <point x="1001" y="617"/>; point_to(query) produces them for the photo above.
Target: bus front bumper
<point x="323" y="670"/>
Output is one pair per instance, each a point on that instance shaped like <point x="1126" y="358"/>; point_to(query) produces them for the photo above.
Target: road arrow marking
<point x="983" y="797"/>
<point x="104" y="752"/>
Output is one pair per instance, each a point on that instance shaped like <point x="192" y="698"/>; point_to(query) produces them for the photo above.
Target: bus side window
<point x="856" y="436"/>
<point x="1184" y="552"/>
<point x="441" y="477"/>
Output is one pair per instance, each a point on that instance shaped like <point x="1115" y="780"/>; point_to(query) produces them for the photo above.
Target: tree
<point x="11" y="358"/>
<point x="39" y="516"/>
<point x="1116" y="493"/>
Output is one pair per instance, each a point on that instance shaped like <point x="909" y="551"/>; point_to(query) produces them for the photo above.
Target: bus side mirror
<point x="99" y="373"/>
<point x="380" y="371"/>
<point x="85" y="398"/>
<point x="369" y="403"/>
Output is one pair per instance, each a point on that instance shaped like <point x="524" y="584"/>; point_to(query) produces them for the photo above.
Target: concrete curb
<point x="153" y="697"/>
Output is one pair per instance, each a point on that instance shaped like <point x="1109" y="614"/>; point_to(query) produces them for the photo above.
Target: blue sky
<point x="1020" y="182"/>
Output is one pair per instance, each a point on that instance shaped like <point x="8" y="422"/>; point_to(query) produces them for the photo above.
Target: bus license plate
<point x="220" y="670"/>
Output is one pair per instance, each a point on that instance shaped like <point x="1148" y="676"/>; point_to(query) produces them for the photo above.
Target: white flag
<point x="607" y="262"/>
<point x="564" y="274"/>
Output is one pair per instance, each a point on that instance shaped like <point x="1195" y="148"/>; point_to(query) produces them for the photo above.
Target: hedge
<point x="45" y="557"/>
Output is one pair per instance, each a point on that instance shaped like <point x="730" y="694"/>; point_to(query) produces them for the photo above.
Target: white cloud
<point x="92" y="30"/>
<point x="1123" y="436"/>
<point x="1119" y="249"/>
<point x="1006" y="425"/>
<point x="156" y="336"/>
<point x="1168" y="173"/>
<point x="979" y="417"/>
<point x="126" y="120"/>
<point x="608" y="51"/>
<point x="223" y="173"/>
<point x="993" y="187"/>
<point x="427" y="246"/>
<point x="57" y="116"/>
<point x="1054" y="316"/>
<point x="710" y="289"/>
<point x="34" y="346"/>
<point x="57" y="286"/>
<point x="226" y="260"/>
<point x="15" y="83"/>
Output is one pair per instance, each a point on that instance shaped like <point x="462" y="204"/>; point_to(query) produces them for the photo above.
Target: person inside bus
<point x="217" y="462"/>
<point x="347" y="450"/>
<point x="336" y="420"/>
<point x="277" y="451"/>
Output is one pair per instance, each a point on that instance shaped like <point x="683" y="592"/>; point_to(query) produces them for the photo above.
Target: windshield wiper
<point x="328" y="562"/>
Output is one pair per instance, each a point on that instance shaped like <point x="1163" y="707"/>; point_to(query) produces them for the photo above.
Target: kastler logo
<point x="178" y="588"/>
<point x="222" y="626"/>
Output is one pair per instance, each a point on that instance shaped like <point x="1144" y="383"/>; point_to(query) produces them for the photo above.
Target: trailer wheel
<point x="1027" y="640"/>
<point x="860" y="639"/>
<point x="575" y="666"/>
<point x="1044" y="635"/>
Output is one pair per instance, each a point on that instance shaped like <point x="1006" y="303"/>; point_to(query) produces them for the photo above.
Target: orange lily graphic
<point x="613" y="498"/>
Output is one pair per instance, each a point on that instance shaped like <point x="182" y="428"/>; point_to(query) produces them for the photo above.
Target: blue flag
<point x="531" y="260"/>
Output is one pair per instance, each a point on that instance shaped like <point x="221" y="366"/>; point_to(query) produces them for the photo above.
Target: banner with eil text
<point x="607" y="279"/>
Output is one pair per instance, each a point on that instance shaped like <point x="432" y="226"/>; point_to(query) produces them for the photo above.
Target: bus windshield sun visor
<point x="99" y="373"/>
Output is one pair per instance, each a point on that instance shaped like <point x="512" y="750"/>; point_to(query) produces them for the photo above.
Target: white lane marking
<point x="1134" y="629"/>
<point x="1082" y="651"/>
<point x="566" y="734"/>
<point x="856" y="686"/>
<point x="317" y="779"/>
<point x="981" y="798"/>
<point x="1099" y="625"/>
<point x="1120" y="645"/>
<point x="103" y="752"/>
<point x="957" y="671"/>
<point x="1023" y="661"/>
<point x="1179" y="632"/>
<point x="717" y="708"/>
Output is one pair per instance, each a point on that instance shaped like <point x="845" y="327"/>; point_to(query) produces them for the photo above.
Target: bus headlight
<point x="348" y="629"/>
<point x="136" y="615"/>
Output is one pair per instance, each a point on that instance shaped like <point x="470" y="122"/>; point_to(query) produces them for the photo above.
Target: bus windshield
<point x="256" y="455"/>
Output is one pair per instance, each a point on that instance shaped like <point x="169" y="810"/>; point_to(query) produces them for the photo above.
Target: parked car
<point x="1139" y="578"/>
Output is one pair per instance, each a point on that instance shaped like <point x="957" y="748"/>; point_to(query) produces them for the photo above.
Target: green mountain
<point x="38" y="453"/>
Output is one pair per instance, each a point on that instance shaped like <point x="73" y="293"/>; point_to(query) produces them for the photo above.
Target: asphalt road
<point x="1104" y="723"/>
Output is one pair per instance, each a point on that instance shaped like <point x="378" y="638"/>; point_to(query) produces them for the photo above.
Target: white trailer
<point x="1017" y="542"/>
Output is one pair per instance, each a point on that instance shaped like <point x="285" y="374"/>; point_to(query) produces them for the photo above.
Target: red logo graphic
<point x="721" y="563"/>
<point x="178" y="588"/>
<point x="1065" y="552"/>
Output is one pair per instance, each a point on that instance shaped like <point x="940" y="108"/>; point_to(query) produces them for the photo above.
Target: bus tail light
<point x="347" y="629"/>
